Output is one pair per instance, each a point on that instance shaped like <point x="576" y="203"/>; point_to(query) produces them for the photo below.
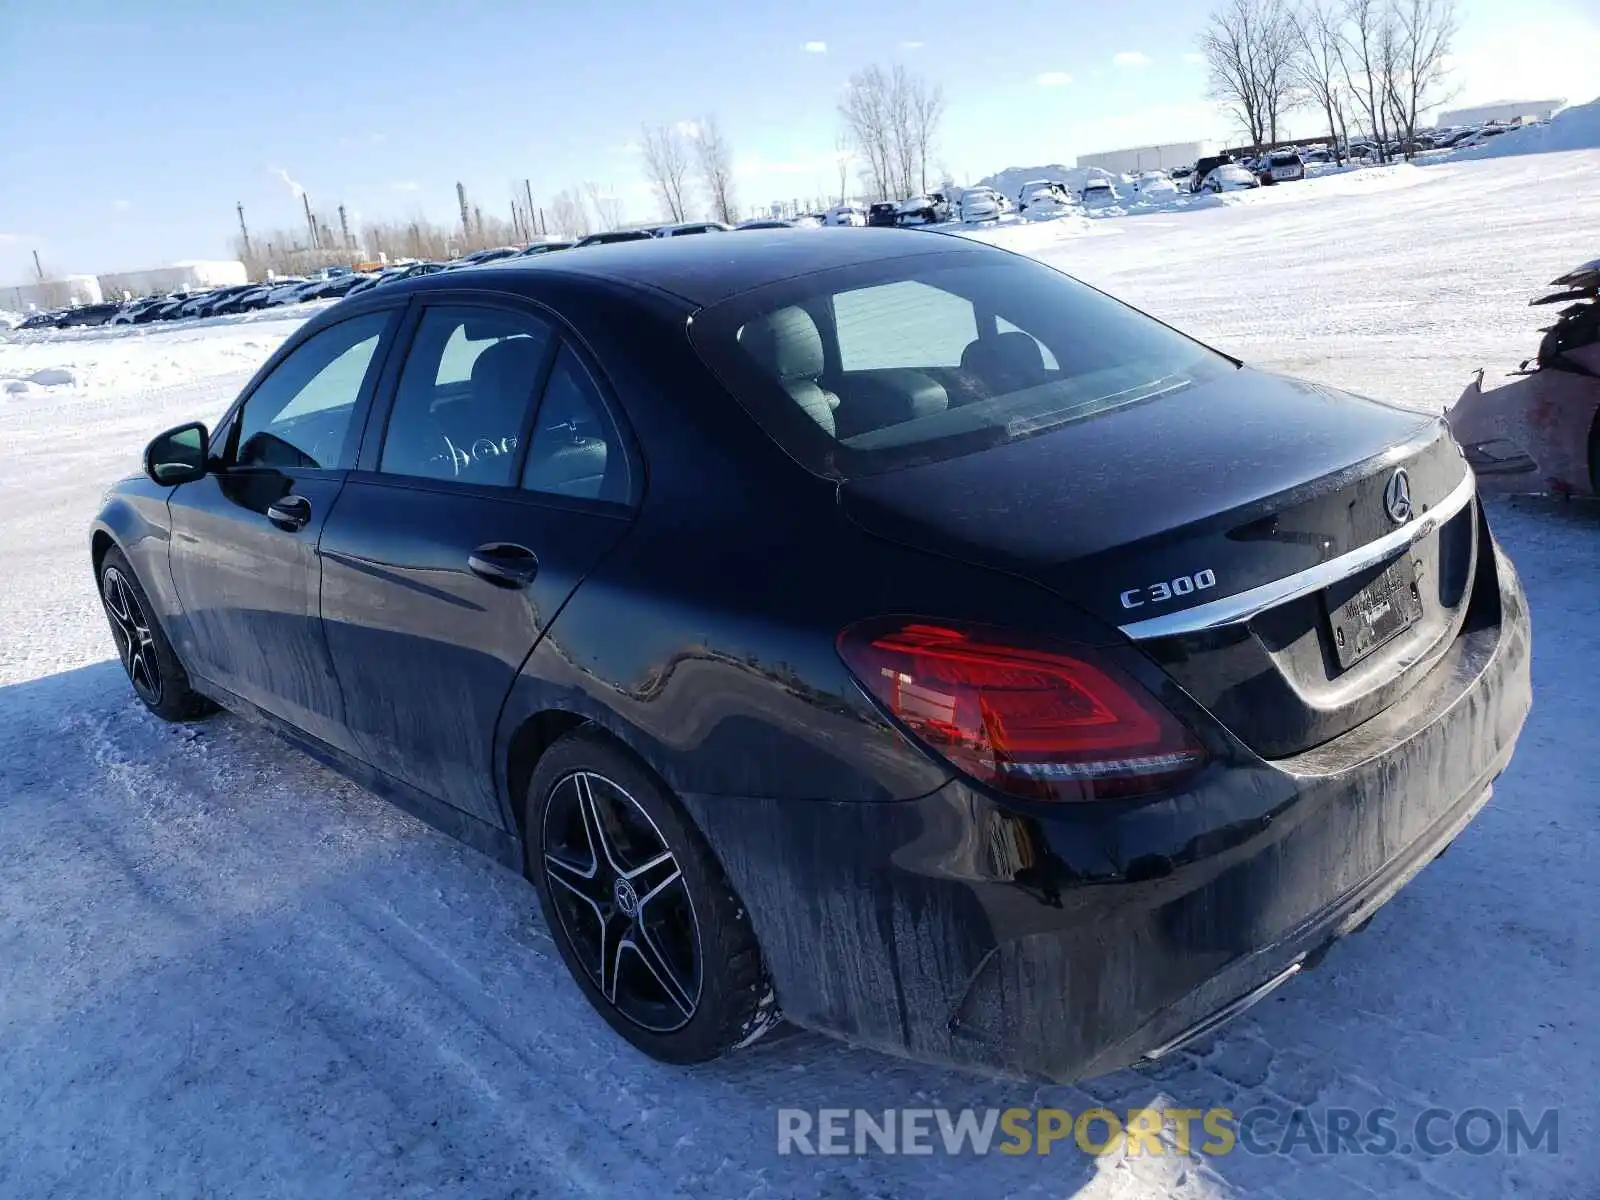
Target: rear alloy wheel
<point x="158" y="678"/>
<point x="639" y="909"/>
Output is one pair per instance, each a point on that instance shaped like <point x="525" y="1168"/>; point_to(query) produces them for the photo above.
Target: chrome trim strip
<point x="1231" y="610"/>
<point x="1228" y="1011"/>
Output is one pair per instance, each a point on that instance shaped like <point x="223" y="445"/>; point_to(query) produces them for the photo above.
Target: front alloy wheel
<point x="622" y="901"/>
<point x="130" y="629"/>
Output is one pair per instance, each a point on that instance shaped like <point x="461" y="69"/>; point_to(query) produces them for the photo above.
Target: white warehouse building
<point x="189" y="275"/>
<point x="1148" y="158"/>
<point x="51" y="293"/>
<point x="1504" y="112"/>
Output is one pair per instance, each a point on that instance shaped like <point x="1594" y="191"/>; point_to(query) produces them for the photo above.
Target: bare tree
<point x="1365" y="46"/>
<point x="1423" y="31"/>
<point x="606" y="205"/>
<point x="666" y="162"/>
<point x="1316" y="67"/>
<point x="891" y="119"/>
<point x="568" y="215"/>
<point x="842" y="155"/>
<point x="1250" y="48"/>
<point x="865" y="111"/>
<point x="927" y="111"/>
<point x="715" y="159"/>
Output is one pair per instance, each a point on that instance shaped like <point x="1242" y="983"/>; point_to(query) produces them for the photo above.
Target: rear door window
<point x="465" y="394"/>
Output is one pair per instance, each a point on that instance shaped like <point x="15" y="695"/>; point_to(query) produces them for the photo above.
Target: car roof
<point x="704" y="270"/>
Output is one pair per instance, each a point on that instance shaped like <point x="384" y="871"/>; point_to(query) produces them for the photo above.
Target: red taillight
<point x="1029" y="720"/>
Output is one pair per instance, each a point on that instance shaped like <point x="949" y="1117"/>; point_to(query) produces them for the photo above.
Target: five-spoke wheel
<point x="622" y="901"/>
<point x="130" y="629"/>
<point x="638" y="905"/>
<point x="158" y="678"/>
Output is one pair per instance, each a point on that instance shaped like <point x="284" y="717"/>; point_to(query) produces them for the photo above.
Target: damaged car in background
<point x="888" y="632"/>
<point x="1540" y="432"/>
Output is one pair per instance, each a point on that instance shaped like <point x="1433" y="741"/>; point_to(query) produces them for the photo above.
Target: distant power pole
<point x="37" y="268"/>
<point x="344" y="228"/>
<point x="244" y="230"/>
<point x="466" y="220"/>
<point x="527" y="193"/>
<point x="311" y="222"/>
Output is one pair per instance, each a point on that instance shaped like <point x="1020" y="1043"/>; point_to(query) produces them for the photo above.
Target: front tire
<point x="158" y="678"/>
<point x="638" y="907"/>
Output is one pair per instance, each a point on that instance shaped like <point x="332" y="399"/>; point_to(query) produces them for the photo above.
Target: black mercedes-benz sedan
<point x="889" y="634"/>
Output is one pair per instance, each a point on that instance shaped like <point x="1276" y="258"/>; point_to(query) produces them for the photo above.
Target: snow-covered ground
<point x="224" y="971"/>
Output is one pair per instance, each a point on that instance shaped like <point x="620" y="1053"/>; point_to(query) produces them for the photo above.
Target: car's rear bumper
<point x="1064" y="942"/>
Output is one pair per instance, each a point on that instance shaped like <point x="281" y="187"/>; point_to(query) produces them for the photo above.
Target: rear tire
<point x="158" y="678"/>
<point x="645" y="920"/>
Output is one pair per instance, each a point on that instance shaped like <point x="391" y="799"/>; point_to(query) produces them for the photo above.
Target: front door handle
<point x="504" y="564"/>
<point x="291" y="512"/>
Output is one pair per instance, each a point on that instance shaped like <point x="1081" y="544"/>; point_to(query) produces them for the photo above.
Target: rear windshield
<point x="875" y="367"/>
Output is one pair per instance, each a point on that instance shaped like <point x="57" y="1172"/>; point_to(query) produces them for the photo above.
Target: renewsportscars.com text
<point x="1155" y="1131"/>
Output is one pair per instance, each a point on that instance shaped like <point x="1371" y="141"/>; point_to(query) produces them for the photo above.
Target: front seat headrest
<point x="1007" y="361"/>
<point x="504" y="374"/>
<point x="786" y="342"/>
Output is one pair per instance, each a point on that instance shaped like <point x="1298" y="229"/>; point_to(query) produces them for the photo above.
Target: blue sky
<point x="134" y="128"/>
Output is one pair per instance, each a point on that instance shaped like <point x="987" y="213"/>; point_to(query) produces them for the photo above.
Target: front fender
<point x="134" y="518"/>
<point x="1492" y="428"/>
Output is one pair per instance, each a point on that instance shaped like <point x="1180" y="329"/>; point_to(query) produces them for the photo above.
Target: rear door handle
<point x="291" y="512"/>
<point x="504" y="564"/>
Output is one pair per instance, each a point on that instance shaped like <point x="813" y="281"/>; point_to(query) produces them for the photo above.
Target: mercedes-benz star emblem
<point x="627" y="899"/>
<point x="1397" y="497"/>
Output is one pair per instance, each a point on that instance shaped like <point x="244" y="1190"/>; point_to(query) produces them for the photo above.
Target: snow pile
<point x="1576" y="128"/>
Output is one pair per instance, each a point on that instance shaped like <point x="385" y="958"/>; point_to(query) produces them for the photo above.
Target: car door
<point x="496" y="480"/>
<point x="243" y="554"/>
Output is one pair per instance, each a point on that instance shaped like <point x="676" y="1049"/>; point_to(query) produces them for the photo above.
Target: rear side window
<point x="869" y="368"/>
<point x="575" y="449"/>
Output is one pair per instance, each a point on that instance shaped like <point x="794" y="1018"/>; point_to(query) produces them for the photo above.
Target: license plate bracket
<point x="1375" y="613"/>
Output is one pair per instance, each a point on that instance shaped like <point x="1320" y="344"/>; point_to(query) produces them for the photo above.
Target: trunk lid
<point x="1205" y="502"/>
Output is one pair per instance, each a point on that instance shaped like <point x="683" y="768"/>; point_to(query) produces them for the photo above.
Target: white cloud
<point x="1194" y="56"/>
<point x="912" y="45"/>
<point x="291" y="184"/>
<point x="1053" y="79"/>
<point x="1131" y="58"/>
<point x="815" y="47"/>
<point x="404" y="186"/>
<point x="689" y="129"/>
<point x="121" y="205"/>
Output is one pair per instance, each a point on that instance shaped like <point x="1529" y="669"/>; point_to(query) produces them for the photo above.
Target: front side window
<point x="868" y="368"/>
<point x="464" y="395"/>
<point x="300" y="416"/>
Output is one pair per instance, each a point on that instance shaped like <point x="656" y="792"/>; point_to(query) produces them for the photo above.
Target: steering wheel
<point x="481" y="450"/>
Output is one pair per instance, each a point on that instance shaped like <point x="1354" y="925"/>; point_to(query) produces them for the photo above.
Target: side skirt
<point x="497" y="844"/>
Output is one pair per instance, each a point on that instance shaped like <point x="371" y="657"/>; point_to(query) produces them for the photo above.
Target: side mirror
<point x="178" y="455"/>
